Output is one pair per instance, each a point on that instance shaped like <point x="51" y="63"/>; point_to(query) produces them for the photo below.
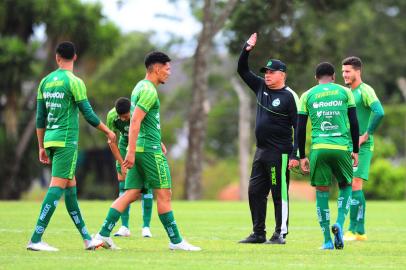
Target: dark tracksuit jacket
<point x="276" y="116"/>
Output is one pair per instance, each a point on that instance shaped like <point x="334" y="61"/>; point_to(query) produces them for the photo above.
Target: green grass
<point x="215" y="226"/>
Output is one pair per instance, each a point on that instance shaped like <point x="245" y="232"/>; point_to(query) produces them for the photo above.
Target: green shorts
<point x="326" y="163"/>
<point x="123" y="152"/>
<point x="364" y="162"/>
<point x="150" y="171"/>
<point x="63" y="161"/>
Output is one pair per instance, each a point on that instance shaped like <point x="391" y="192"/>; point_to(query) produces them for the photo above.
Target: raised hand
<point x="251" y="42"/>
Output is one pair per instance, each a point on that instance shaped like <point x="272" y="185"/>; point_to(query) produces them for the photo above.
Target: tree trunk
<point x="11" y="114"/>
<point x="198" y="111"/>
<point x="402" y="86"/>
<point x="244" y="131"/>
<point x="197" y="115"/>
<point x="23" y="142"/>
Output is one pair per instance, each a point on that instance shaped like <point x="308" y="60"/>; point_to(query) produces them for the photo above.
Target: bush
<point x="386" y="181"/>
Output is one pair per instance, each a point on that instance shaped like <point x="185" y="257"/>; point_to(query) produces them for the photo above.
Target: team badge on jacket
<point x="276" y="102"/>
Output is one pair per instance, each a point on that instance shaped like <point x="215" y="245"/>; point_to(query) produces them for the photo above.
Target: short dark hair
<point x="324" y="69"/>
<point x="66" y="50"/>
<point x="354" y="61"/>
<point x="156" y="57"/>
<point x="122" y="105"/>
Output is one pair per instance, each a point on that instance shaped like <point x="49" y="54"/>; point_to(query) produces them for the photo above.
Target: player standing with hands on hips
<point x="369" y="113"/>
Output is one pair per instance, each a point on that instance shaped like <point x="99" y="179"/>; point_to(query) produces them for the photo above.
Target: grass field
<point x="215" y="226"/>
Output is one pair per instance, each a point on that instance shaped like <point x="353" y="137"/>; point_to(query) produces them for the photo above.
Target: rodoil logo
<point x="321" y="104"/>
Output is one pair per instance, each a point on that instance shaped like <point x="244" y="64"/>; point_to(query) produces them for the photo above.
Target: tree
<point x="306" y="33"/>
<point x="83" y="24"/>
<point x="215" y="15"/>
<point x="244" y="138"/>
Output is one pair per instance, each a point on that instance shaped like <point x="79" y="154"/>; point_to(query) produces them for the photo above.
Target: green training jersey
<point x="145" y="97"/>
<point x="327" y="106"/>
<point x="364" y="96"/>
<point x="61" y="90"/>
<point x="118" y="126"/>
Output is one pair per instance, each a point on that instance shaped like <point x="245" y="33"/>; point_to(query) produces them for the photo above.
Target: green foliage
<point x="222" y="128"/>
<point x="306" y="33"/>
<point x="15" y="60"/>
<point x="118" y="74"/>
<point x="393" y="127"/>
<point x="82" y="23"/>
<point x="386" y="181"/>
<point x="218" y="173"/>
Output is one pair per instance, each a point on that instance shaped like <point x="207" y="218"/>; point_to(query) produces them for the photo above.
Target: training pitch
<point x="214" y="226"/>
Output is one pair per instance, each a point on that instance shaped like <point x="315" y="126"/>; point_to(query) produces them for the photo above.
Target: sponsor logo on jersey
<point x="328" y="113"/>
<point x="321" y="104"/>
<point x="327" y="93"/>
<point x="326" y="126"/>
<point x="276" y="102"/>
<point x="53" y="84"/>
<point x="58" y="95"/>
<point x="52" y="105"/>
<point x="51" y="118"/>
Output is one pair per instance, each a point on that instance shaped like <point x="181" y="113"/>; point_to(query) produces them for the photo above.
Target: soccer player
<point x="145" y="159"/>
<point x="369" y="113"/>
<point x="275" y="154"/>
<point x="61" y="95"/>
<point x="330" y="107"/>
<point x="118" y="120"/>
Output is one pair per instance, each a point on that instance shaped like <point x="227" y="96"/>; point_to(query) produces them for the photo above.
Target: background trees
<point x="201" y="121"/>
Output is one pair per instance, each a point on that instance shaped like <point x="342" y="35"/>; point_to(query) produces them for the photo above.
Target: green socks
<point x="125" y="216"/>
<point x="112" y="217"/>
<point x="48" y="207"/>
<point x="71" y="202"/>
<point x="323" y="213"/>
<point x="359" y="212"/>
<point x="147" y="200"/>
<point x="146" y="203"/>
<point x="343" y="204"/>
<point x="169" y="223"/>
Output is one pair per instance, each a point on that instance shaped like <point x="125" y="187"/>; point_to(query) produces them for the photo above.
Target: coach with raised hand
<point x="275" y="154"/>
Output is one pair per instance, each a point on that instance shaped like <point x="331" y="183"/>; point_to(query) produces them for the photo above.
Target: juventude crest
<point x="276" y="102"/>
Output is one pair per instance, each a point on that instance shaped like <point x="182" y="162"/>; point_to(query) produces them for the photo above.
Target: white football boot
<point x="107" y="242"/>
<point x="123" y="232"/>
<point x="40" y="246"/>
<point x="184" y="245"/>
<point x="146" y="232"/>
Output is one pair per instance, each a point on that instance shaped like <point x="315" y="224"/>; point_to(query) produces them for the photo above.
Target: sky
<point x="160" y="16"/>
